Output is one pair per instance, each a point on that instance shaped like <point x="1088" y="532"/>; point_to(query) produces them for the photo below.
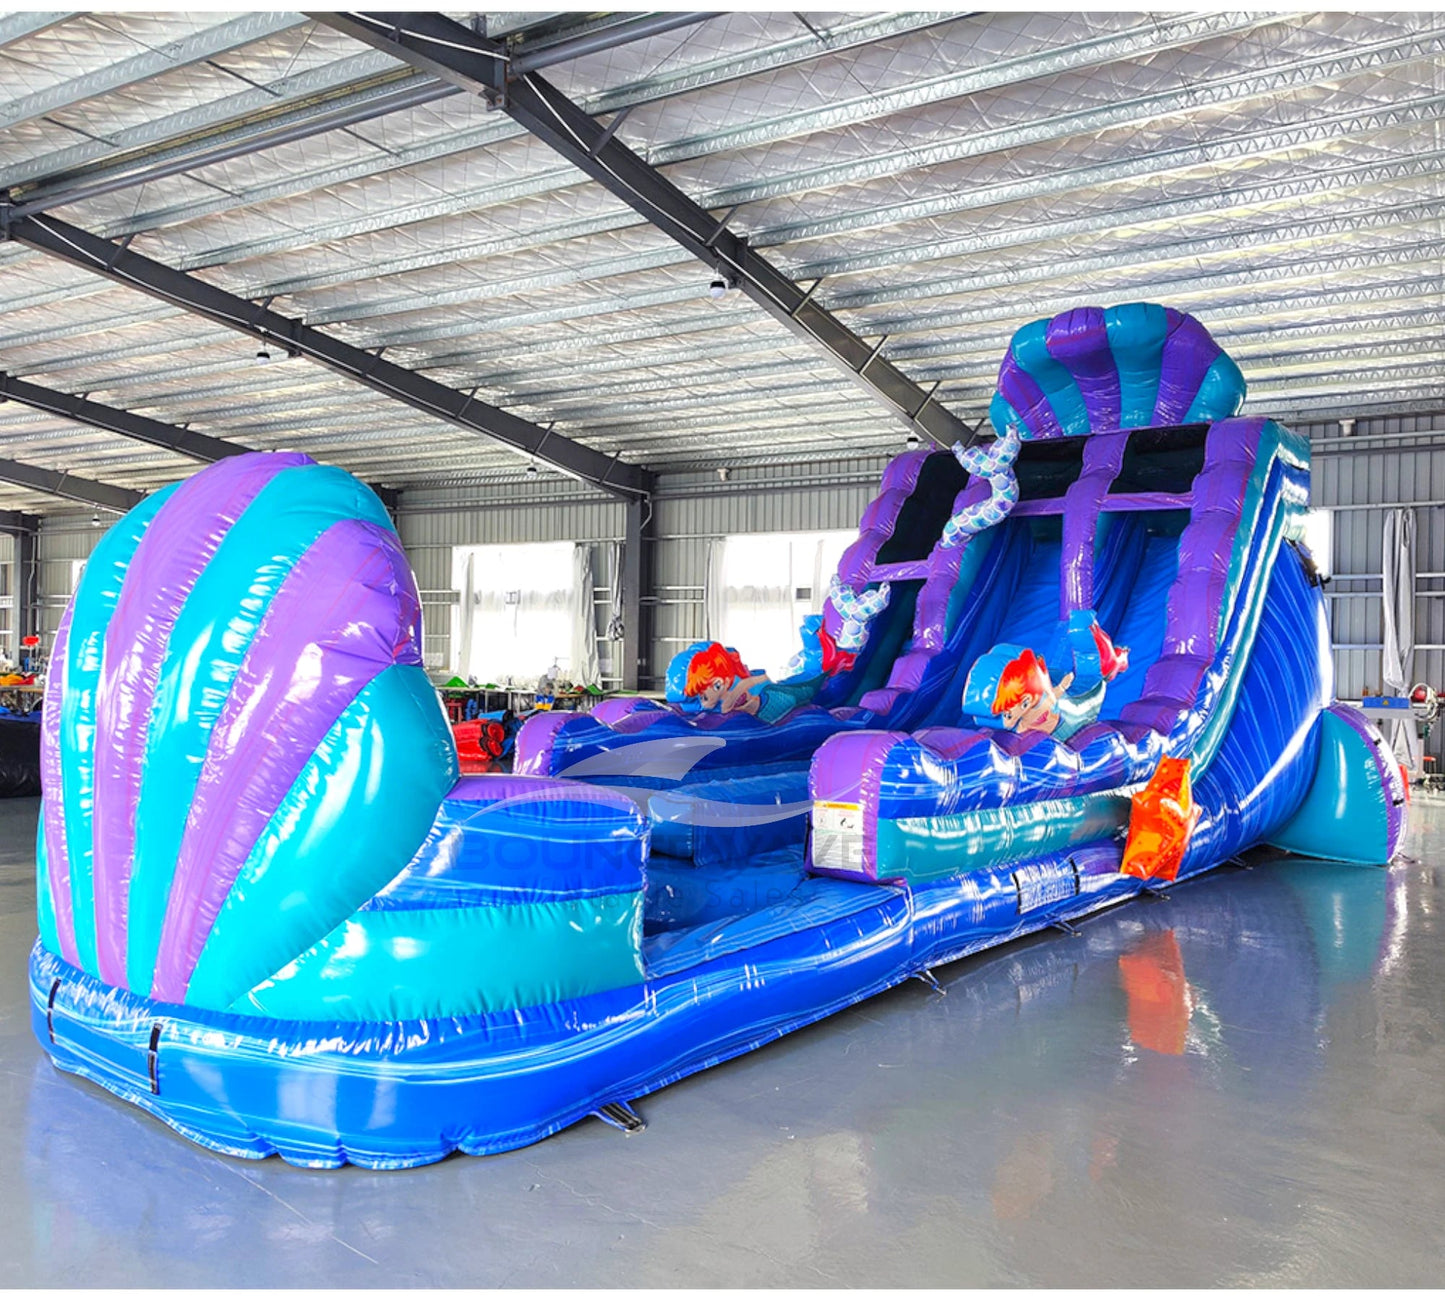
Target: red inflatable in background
<point x="479" y="745"/>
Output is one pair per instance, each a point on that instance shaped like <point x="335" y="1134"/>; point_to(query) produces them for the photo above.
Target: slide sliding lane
<point x="924" y="806"/>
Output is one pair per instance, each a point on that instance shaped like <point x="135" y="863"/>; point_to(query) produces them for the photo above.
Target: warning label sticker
<point x="838" y="836"/>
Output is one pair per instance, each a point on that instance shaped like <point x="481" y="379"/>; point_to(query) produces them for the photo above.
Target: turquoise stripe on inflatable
<point x="44" y="903"/>
<point x="212" y="633"/>
<point x="405" y="964"/>
<point x="1344" y="814"/>
<point x="1221" y="392"/>
<point x="1031" y="351"/>
<point x="974" y="553"/>
<point x="91" y="609"/>
<point x="1136" y="333"/>
<point x="1002" y="413"/>
<point x="930" y="849"/>
<point x="392" y="742"/>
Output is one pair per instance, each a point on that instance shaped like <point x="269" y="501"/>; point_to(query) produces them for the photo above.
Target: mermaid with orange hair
<point x="1013" y="684"/>
<point x="715" y="677"/>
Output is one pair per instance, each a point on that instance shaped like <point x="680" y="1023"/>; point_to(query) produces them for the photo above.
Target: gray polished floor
<point x="1244" y="1084"/>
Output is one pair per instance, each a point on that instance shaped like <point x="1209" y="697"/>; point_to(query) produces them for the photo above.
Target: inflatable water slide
<point x="1076" y="661"/>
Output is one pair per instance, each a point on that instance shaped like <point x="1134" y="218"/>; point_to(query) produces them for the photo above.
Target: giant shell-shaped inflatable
<point x="218" y="796"/>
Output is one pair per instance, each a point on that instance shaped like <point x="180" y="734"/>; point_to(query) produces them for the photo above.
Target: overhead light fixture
<point x="720" y="284"/>
<point x="912" y="440"/>
<point x="95" y="520"/>
<point x="263" y="356"/>
<point x="532" y="471"/>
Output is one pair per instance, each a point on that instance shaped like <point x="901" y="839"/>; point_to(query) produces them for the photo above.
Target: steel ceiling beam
<point x="157" y="433"/>
<point x="188" y="49"/>
<point x="1364" y="58"/>
<point x="208" y="123"/>
<point x="437" y="45"/>
<point x="18" y="521"/>
<point x="199" y="447"/>
<point x="360" y="107"/>
<point x="17" y="26"/>
<point x="672" y="330"/>
<point x="1424" y="165"/>
<point x="1166" y="35"/>
<point x="389" y="97"/>
<point x="41" y="196"/>
<point x="80" y="248"/>
<point x="1149" y="166"/>
<point x="1124" y="112"/>
<point x="608" y="38"/>
<point x="57" y="483"/>
<point x="318" y="85"/>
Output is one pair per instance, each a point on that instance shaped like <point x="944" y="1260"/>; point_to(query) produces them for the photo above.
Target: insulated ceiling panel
<point x="944" y="177"/>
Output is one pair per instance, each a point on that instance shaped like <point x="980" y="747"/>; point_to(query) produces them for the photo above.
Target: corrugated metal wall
<point x="65" y="538"/>
<point x="1382" y="462"/>
<point x="693" y="508"/>
<point x="690" y="509"/>
<point x="435" y="520"/>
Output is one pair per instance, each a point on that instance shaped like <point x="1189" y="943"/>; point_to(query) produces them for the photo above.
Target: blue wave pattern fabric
<point x="271" y="914"/>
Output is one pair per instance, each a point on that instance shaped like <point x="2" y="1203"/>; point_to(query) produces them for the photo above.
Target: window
<point x="768" y="583"/>
<point x="1319" y="539"/>
<point x="517" y="608"/>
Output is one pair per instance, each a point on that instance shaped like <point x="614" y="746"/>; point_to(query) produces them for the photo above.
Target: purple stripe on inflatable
<point x="1079" y="341"/>
<point x="1022" y="392"/>
<point x="292" y="686"/>
<point x="52" y="775"/>
<point x="849" y="768"/>
<point x="177" y="546"/>
<point x="951" y="743"/>
<point x="1083" y="503"/>
<point x="880" y="517"/>
<point x="1189" y="351"/>
<point x="1128" y="501"/>
<point x="1205" y="548"/>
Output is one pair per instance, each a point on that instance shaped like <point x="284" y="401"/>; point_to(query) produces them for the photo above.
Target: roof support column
<point x="639" y="544"/>
<point x="26" y="569"/>
<point x="25" y="579"/>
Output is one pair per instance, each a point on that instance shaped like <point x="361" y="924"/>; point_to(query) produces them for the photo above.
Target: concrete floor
<point x="1244" y="1085"/>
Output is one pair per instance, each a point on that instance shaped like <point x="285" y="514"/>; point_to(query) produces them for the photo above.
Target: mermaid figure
<point x="1013" y="684"/>
<point x="718" y="680"/>
<point x="713" y="677"/>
